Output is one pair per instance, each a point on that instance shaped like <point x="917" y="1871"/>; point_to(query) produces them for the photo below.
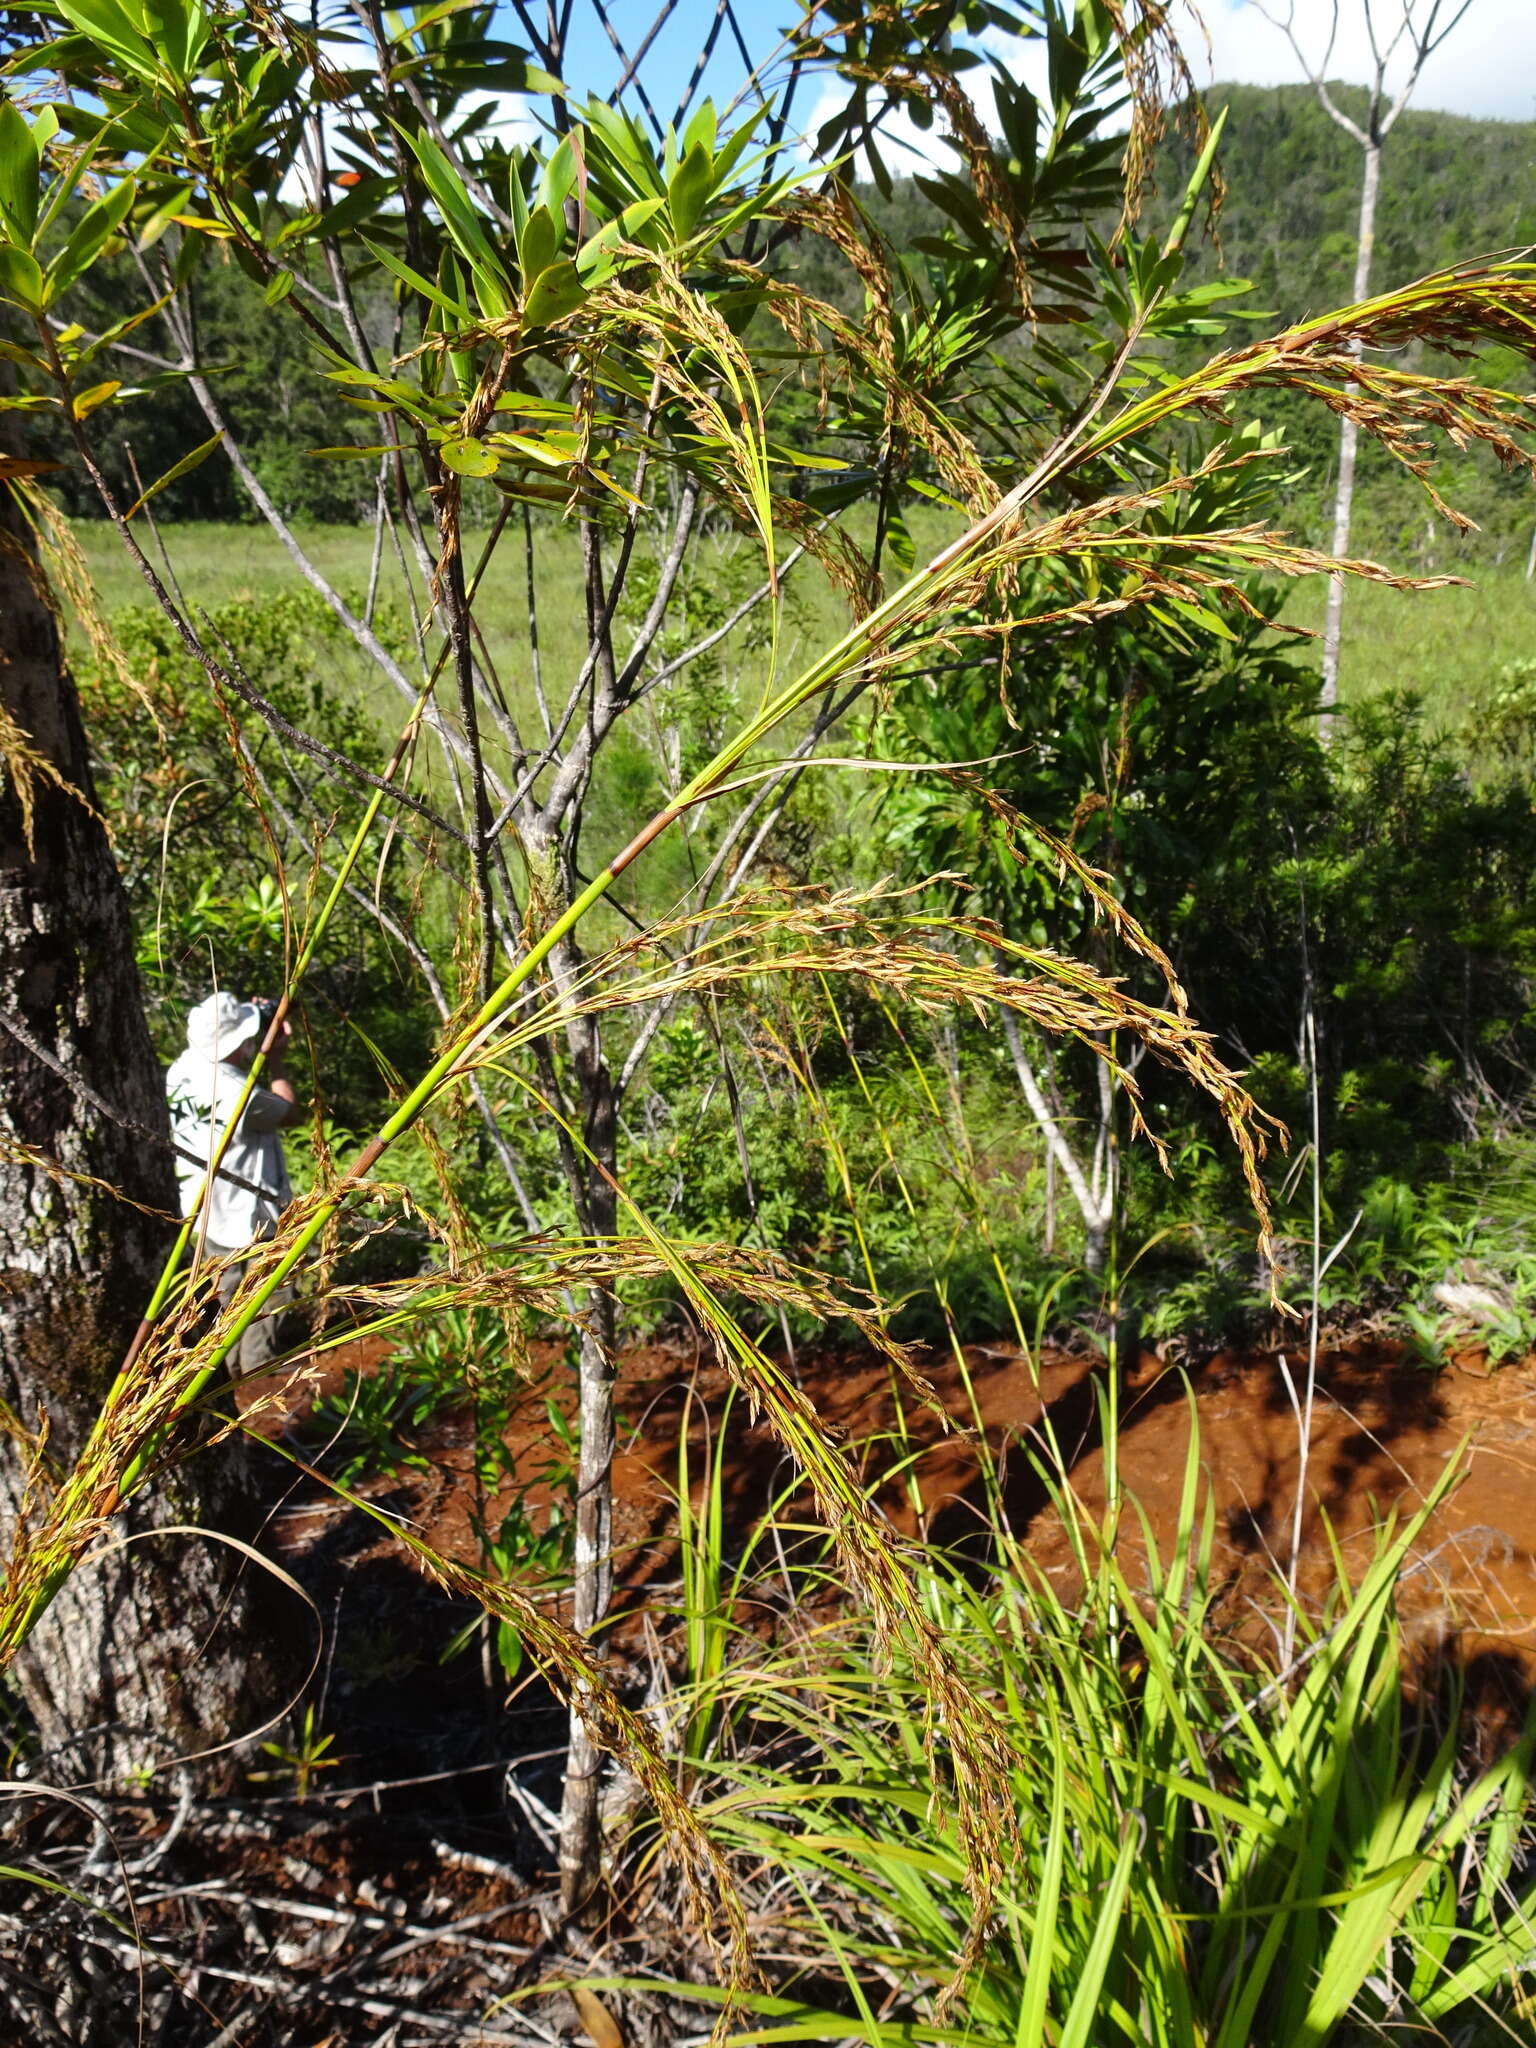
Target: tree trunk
<point x="142" y="1657"/>
<point x="581" y="1821"/>
<point x="1349" y="441"/>
<point x="1094" y="1196"/>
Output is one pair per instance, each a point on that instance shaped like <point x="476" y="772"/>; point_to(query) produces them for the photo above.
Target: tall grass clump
<point x="1201" y="1848"/>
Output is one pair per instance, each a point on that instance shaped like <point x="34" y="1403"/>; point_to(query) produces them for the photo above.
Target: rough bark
<point x="145" y="1654"/>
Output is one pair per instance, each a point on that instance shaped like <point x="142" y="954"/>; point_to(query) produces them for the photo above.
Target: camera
<point x="266" y="1010"/>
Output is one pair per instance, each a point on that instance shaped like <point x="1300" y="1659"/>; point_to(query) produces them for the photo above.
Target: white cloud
<point x="1486" y="66"/>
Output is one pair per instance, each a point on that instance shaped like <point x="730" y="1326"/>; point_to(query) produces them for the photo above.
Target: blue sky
<point x="1486" y="67"/>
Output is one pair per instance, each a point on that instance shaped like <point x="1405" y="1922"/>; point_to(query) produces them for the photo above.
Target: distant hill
<point x="1452" y="188"/>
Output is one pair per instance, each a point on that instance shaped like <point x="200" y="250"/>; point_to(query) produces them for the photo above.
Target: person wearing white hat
<point x="250" y="1190"/>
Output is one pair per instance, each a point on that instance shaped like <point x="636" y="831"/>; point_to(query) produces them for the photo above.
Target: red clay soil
<point x="1383" y="1430"/>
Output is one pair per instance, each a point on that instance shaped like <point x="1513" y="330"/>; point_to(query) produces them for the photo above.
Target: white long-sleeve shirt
<point x="203" y="1094"/>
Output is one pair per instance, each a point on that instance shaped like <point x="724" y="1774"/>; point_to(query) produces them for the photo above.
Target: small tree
<point x="1405" y="34"/>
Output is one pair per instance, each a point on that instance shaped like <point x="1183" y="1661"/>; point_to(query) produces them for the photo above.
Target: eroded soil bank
<point x="1383" y="1430"/>
<point x="386" y="1874"/>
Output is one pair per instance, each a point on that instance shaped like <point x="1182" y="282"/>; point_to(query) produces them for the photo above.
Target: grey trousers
<point x="267" y="1337"/>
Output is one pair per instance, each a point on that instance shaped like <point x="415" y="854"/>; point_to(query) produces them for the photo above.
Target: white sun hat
<point x="220" y="1025"/>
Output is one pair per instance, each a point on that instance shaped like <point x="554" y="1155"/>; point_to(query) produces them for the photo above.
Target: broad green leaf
<point x="538" y="242"/>
<point x="596" y="258"/>
<point x="113" y="29"/>
<point x="560" y="175"/>
<point x="689" y="189"/>
<point x="18" y="177"/>
<point x="179" y="30"/>
<point x="558" y="291"/>
<point x="468" y="457"/>
<point x="701" y="131"/>
<point x="21" y="278"/>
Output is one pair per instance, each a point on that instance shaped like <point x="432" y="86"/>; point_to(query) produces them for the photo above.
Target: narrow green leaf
<point x="1079" y="2030"/>
<point x="462" y="222"/>
<point x="18" y="177"/>
<point x="184" y="467"/>
<point x="93" y="231"/>
<point x="456" y="308"/>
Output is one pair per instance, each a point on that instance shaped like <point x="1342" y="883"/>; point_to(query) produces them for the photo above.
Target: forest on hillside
<point x="1458" y="188"/>
<point x="765" y="1176"/>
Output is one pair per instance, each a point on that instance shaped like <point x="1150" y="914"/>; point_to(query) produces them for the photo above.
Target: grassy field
<point x="222" y="564"/>
<point x="1447" y="644"/>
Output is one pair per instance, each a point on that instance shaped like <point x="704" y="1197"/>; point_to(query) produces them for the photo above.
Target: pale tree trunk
<point x="581" y="1823"/>
<point x="1349" y="441"/>
<point x="1093" y="1186"/>
<point x="594" y="1188"/>
<point x="144" y="1655"/>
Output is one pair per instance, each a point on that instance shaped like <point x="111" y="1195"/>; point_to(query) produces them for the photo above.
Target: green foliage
<point x="1450" y="185"/>
<point x="1188" y="1850"/>
<point x="300" y="1761"/>
<point x="453" y="1363"/>
<point x="580" y="332"/>
<point x="364" y="1423"/>
<point x="175" y="771"/>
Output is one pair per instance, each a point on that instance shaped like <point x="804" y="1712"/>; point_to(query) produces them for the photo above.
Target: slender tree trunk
<point x="1095" y="1203"/>
<point x="1349" y="441"/>
<point x="144" y="1655"/>
<point x="581" y="1825"/>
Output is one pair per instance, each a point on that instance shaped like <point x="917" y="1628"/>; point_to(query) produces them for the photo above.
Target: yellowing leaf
<point x="602" y="2029"/>
<point x="86" y="402"/>
<point x="468" y="457"/>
